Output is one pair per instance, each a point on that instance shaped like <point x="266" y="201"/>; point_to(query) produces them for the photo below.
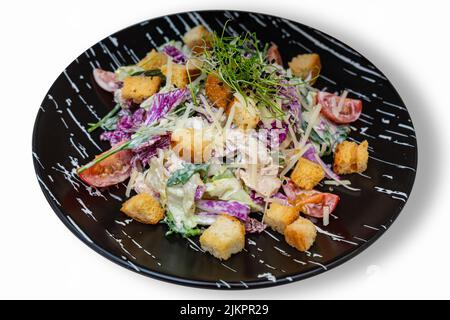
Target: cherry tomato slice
<point x="316" y="209"/>
<point x="341" y="113"/>
<point x="110" y="171"/>
<point x="106" y="80"/>
<point x="273" y="55"/>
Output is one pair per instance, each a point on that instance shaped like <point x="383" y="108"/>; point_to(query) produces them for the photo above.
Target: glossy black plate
<point x="61" y="142"/>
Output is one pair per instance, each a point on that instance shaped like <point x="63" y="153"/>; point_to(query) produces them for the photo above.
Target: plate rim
<point x="255" y="284"/>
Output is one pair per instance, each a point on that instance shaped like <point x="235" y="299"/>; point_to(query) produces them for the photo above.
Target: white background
<point x="407" y="40"/>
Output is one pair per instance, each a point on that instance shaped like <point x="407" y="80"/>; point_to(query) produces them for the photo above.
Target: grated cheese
<point x="169" y="74"/>
<point x="200" y="110"/>
<point x="211" y="114"/>
<point x="187" y="111"/>
<point x="292" y="133"/>
<point x="286" y="143"/>
<point x="277" y="200"/>
<point x="266" y="205"/>
<point x="342" y="100"/>
<point x="130" y="185"/>
<point x="293" y="161"/>
<point x="334" y="183"/>
<point x="326" y="216"/>
<point x="253" y="161"/>
<point x="236" y="165"/>
<point x="312" y="121"/>
<point x="335" y="109"/>
<point x="230" y="117"/>
<point x="301" y="149"/>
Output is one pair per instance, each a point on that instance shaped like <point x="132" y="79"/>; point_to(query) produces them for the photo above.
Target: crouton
<point x="180" y="74"/>
<point x="278" y="217"/>
<point x="139" y="88"/>
<point x="350" y="157"/>
<point x="153" y="60"/>
<point x="245" y="113"/>
<point x="191" y="144"/>
<point x="218" y="92"/>
<point x="224" y="237"/>
<point x="307" y="174"/>
<point x="362" y="156"/>
<point x="143" y="208"/>
<point x="305" y="65"/>
<point x="198" y="38"/>
<point x="300" y="234"/>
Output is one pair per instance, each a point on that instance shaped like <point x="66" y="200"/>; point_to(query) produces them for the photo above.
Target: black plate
<point x="60" y="143"/>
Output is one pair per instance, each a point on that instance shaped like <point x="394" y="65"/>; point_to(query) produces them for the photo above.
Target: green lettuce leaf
<point x="225" y="186"/>
<point x="181" y="176"/>
<point x="180" y="206"/>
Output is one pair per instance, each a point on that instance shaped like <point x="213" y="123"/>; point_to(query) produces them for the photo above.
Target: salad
<point x="215" y="138"/>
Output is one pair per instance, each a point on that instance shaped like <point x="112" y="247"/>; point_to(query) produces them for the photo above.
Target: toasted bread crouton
<point x="153" y="60"/>
<point x="362" y="156"/>
<point x="300" y="234"/>
<point x="307" y="174"/>
<point x="224" y="237"/>
<point x="143" y="208"/>
<point x="278" y="217"/>
<point x="139" y="88"/>
<point x="305" y="65"/>
<point x="217" y="91"/>
<point x="181" y="74"/>
<point x="191" y="144"/>
<point x="350" y="157"/>
<point x="198" y="38"/>
<point x="245" y="113"/>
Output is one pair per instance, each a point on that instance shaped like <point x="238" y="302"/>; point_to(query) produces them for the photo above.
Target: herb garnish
<point x="242" y="65"/>
<point x="181" y="176"/>
<point x="105" y="121"/>
<point x="151" y="73"/>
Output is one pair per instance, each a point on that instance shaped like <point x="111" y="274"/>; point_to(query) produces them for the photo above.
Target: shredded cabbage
<point x="163" y="103"/>
<point x="253" y="225"/>
<point x="233" y="208"/>
<point x="176" y="54"/>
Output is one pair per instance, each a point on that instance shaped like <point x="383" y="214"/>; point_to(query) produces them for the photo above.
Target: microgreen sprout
<point x="242" y="65"/>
